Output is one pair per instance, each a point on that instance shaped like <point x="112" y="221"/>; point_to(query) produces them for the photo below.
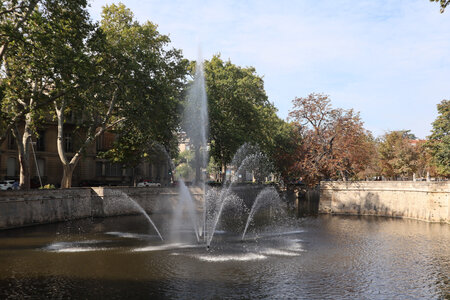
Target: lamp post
<point x="35" y="161"/>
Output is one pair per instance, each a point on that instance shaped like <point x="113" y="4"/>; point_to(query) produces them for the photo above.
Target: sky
<point x="387" y="59"/>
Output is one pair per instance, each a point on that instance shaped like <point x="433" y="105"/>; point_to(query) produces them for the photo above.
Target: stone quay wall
<point x="33" y="207"/>
<point x="426" y="201"/>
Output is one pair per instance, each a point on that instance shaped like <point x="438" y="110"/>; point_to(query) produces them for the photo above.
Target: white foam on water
<point x="130" y="235"/>
<point x="61" y="246"/>
<point x="166" y="247"/>
<point x="225" y="258"/>
<point x="282" y="233"/>
<point x="278" y="252"/>
<point x="77" y="249"/>
<point x="296" y="247"/>
<point x="297" y="240"/>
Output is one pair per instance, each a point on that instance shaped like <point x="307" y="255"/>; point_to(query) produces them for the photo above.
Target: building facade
<point x="90" y="171"/>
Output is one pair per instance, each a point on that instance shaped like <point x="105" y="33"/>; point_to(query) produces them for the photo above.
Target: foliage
<point x="239" y="110"/>
<point x="48" y="187"/>
<point x="285" y="150"/>
<point x="397" y="156"/>
<point x="213" y="167"/>
<point x="334" y="143"/>
<point x="424" y="162"/>
<point x="42" y="53"/>
<point x="184" y="165"/>
<point x="149" y="78"/>
<point x="443" y="4"/>
<point x="439" y="140"/>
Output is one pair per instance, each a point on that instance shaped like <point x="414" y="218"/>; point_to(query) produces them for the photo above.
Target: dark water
<point x="318" y="258"/>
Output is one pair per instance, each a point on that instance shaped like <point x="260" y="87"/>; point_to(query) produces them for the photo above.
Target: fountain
<point x="267" y="198"/>
<point x="248" y="159"/>
<point x="121" y="195"/>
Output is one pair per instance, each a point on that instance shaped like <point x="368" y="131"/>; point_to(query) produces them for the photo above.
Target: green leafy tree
<point x="285" y="143"/>
<point x="185" y="165"/>
<point x="439" y="140"/>
<point x="13" y="17"/>
<point x="40" y="64"/>
<point x="238" y="108"/>
<point x="13" y="20"/>
<point x="398" y="158"/>
<point x="142" y="83"/>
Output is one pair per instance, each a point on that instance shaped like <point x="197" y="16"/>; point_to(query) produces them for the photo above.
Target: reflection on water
<point x="320" y="258"/>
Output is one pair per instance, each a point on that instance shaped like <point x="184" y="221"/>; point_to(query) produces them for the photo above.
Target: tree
<point x="334" y="141"/>
<point x="439" y="140"/>
<point x="424" y="163"/>
<point x="137" y="91"/>
<point x="443" y="4"/>
<point x="238" y="108"/>
<point x="185" y="165"/>
<point x="40" y="62"/>
<point x="13" y="17"/>
<point x="398" y="157"/>
<point x="286" y="151"/>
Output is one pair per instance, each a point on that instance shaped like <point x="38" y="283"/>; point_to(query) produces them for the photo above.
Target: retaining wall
<point x="427" y="201"/>
<point x="24" y="208"/>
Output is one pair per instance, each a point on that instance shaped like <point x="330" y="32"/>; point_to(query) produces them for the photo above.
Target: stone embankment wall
<point x="24" y="208"/>
<point x="427" y="201"/>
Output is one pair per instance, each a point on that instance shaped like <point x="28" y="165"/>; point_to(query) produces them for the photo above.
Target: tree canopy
<point x="334" y="143"/>
<point x="439" y="140"/>
<point x="120" y="76"/>
<point x="398" y="156"/>
<point x="149" y="78"/>
<point x="43" y="55"/>
<point x="239" y="109"/>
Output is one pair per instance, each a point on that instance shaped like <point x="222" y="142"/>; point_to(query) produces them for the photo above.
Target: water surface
<point x="317" y="258"/>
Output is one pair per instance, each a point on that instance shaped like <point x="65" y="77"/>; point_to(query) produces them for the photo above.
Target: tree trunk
<point x="134" y="179"/>
<point x="23" y="146"/>
<point x="24" y="162"/>
<point x="66" y="181"/>
<point x="224" y="172"/>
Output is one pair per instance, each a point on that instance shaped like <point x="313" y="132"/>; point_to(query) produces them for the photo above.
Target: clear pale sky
<point x="387" y="59"/>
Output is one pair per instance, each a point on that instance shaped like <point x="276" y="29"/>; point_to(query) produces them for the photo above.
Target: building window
<point x="40" y="141"/>
<point x="11" y="167"/>
<point x="68" y="143"/>
<point x="99" y="168"/>
<point x="11" y="142"/>
<point x="113" y="170"/>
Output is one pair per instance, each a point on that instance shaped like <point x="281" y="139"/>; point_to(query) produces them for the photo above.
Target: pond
<point x="325" y="257"/>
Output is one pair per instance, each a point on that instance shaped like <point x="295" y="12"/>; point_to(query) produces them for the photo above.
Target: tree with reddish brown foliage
<point x="334" y="145"/>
